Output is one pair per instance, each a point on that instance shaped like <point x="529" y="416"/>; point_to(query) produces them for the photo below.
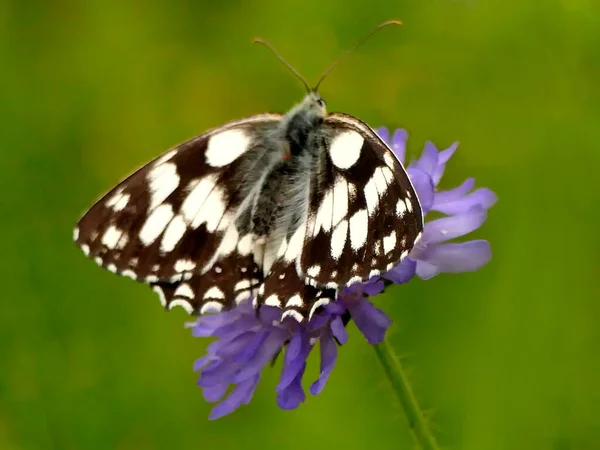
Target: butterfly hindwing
<point x="229" y="281"/>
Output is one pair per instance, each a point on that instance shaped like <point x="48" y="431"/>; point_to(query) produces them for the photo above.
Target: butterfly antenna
<point x="285" y="63"/>
<point x="357" y="45"/>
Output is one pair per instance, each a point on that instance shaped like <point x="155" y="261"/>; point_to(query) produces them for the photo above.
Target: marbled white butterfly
<point x="287" y="209"/>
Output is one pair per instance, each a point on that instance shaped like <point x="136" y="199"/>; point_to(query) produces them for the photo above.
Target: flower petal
<point x="402" y="272"/>
<point x="423" y="186"/>
<point x="373" y="288"/>
<point x="338" y="330"/>
<point x="451" y="195"/>
<point x="428" y="161"/>
<point x="398" y="144"/>
<point x="215" y="393"/>
<point x="448" y="228"/>
<point x="482" y="197"/>
<point x="295" y="360"/>
<point x="241" y="394"/>
<point x="443" y="158"/>
<point x="384" y="134"/>
<point x="292" y="395"/>
<point x="371" y="321"/>
<point x="453" y="258"/>
<point x="328" y="357"/>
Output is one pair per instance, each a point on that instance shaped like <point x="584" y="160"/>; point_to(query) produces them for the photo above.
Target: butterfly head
<point x="314" y="105"/>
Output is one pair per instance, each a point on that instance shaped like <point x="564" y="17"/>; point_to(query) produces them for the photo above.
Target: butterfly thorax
<point x="301" y="121"/>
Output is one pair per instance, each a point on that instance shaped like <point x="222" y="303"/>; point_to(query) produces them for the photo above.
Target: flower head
<point x="466" y="210"/>
<point x="246" y="341"/>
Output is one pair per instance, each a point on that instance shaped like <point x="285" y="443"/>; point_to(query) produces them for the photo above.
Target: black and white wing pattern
<point x="180" y="223"/>
<point x="363" y="212"/>
<point x="358" y="217"/>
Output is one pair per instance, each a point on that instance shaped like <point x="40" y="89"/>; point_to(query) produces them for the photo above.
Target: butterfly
<point x="284" y="209"/>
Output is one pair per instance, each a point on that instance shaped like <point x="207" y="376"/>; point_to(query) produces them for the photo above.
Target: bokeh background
<point x="504" y="358"/>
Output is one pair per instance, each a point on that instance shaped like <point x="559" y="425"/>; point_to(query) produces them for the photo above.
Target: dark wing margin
<point x="174" y="218"/>
<point x="364" y="216"/>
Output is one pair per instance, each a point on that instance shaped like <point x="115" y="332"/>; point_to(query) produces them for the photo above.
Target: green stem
<point x="416" y="421"/>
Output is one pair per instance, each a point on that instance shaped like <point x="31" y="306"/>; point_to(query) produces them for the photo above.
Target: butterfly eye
<point x="321" y="102"/>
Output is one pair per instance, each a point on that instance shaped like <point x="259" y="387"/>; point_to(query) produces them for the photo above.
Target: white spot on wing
<point x="76" y="234"/>
<point x="173" y="234"/>
<point x="345" y="149"/>
<point x="183" y="303"/>
<point x="418" y="238"/>
<point x="85" y="249"/>
<point x="359" y="226"/>
<point x="214" y="292"/>
<point x="400" y="208"/>
<point x="338" y="239"/>
<point x="318" y="303"/>
<point x="184" y="290"/>
<point x="230" y="241"/>
<point x="163" y="180"/>
<point x="184" y="265"/>
<point x="111" y="236"/>
<point x="244" y="245"/>
<point x="324" y="214"/>
<point x="161" y="295"/>
<point x="313" y="271"/>
<point x="293" y="314"/>
<point x="224" y="148"/>
<point x="130" y="274"/>
<point x="155" y="224"/>
<point x="389" y="159"/>
<point x="340" y="200"/>
<point x="389" y="242"/>
<point x="199" y="190"/>
<point x="272" y="300"/>
<point x="213" y="307"/>
<point x="241" y="285"/>
<point x="295" y="300"/>
<point x="294" y="247"/>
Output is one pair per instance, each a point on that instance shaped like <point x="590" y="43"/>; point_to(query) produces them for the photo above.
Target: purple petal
<point x="328" y="358"/>
<point x="443" y="158"/>
<point x="428" y="161"/>
<point x="384" y="134"/>
<point x="338" y="330"/>
<point x="448" y="228"/>
<point x="398" y="144"/>
<point x="241" y="394"/>
<point x="371" y="321"/>
<point x="453" y="258"/>
<point x="293" y="394"/>
<point x="403" y="272"/>
<point x="373" y="288"/>
<point x="482" y="197"/>
<point x="451" y="195"/>
<point x="295" y="360"/>
<point x="261" y="357"/>
<point x="215" y="393"/>
<point x="423" y="186"/>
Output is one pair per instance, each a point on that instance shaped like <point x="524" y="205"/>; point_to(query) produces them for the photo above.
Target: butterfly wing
<point x="168" y="223"/>
<point x="354" y="216"/>
<point x="364" y="215"/>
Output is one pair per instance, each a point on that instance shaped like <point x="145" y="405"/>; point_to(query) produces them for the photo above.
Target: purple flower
<point x="246" y="342"/>
<point x="466" y="211"/>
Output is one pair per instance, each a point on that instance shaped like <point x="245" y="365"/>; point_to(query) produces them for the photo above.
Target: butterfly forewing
<point x="176" y="215"/>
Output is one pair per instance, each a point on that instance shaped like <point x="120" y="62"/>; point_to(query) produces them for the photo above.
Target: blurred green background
<point x="504" y="358"/>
